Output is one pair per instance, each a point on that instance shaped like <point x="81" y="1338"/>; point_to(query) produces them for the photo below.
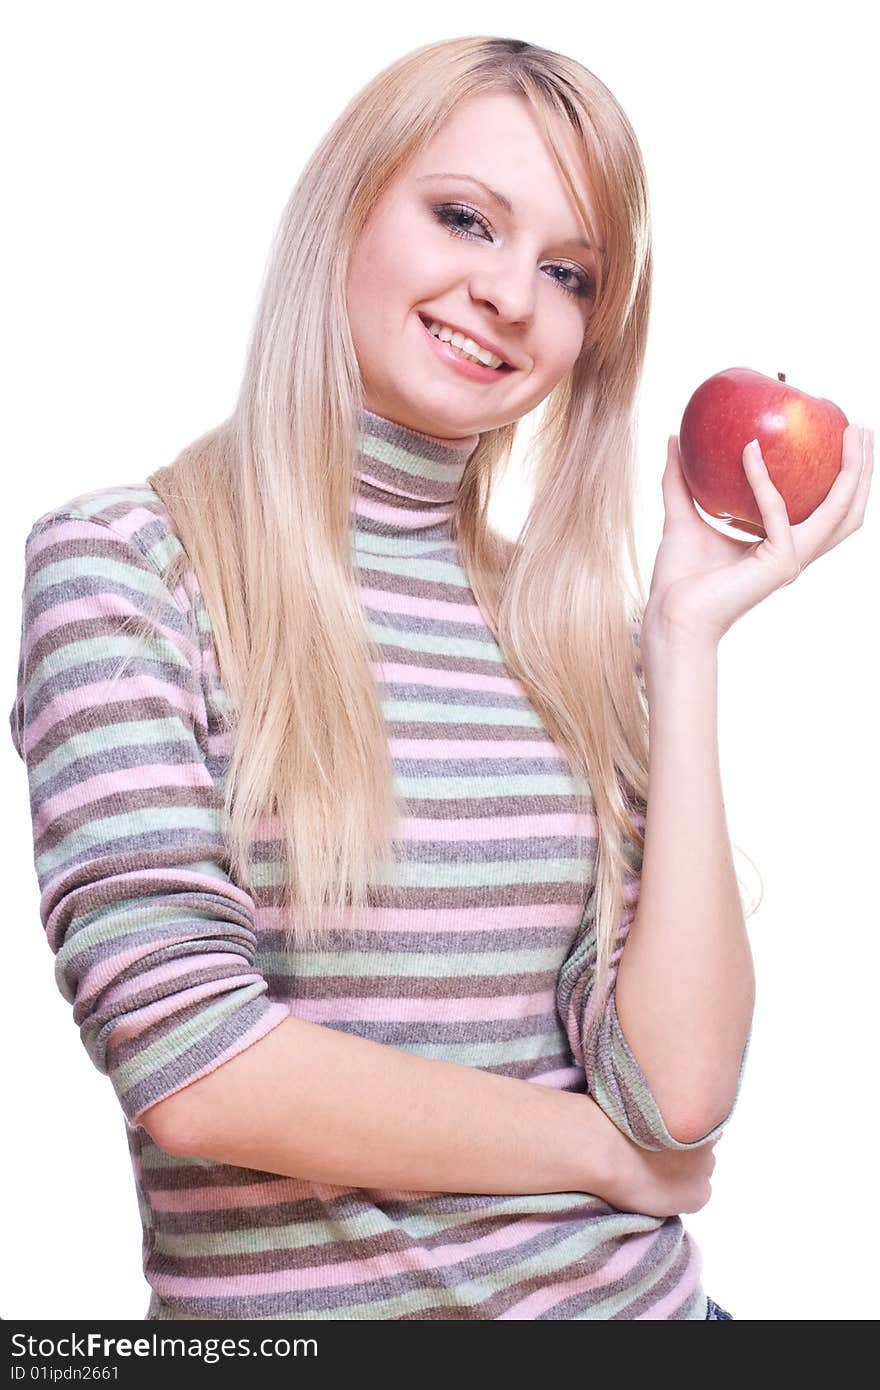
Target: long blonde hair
<point x="262" y="506"/>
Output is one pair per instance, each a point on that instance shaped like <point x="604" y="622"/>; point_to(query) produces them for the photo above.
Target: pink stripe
<point x="565" y="1079"/>
<point x="512" y="917"/>
<point x="122" y="528"/>
<point x="92" y="606"/>
<point x="387" y="601"/>
<point x="473" y="748"/>
<point x="346" y="1274"/>
<point x="221" y="1198"/>
<point x="144" y="777"/>
<point x="391" y="671"/>
<point x="185" y="881"/>
<point x="220" y="743"/>
<point x="97" y="979"/>
<point x="399" y="517"/>
<point x="75" y="610"/>
<point x="405" y="1009"/>
<point x="136" y="688"/>
<point x="134" y="1024"/>
<point x="384" y="484"/>
<point x="419" y="828"/>
<point x="135" y="519"/>
<point x="690" y="1277"/>
<point x="273" y="1015"/>
<point x="59" y="532"/>
<point x="124" y="959"/>
<point x="621" y="1262"/>
<point x="496" y="827"/>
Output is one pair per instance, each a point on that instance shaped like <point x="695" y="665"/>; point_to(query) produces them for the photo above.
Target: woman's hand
<point x="703" y="581"/>
<point x="664" y="1182"/>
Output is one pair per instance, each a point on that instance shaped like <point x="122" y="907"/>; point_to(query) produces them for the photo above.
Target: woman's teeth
<point x="466" y="347"/>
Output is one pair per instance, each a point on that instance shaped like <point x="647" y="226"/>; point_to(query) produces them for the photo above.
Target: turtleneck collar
<point x="407" y="482"/>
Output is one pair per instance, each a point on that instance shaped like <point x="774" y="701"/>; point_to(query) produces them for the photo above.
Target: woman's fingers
<point x="676" y="493"/>
<point x="840" y="512"/>
<point x="774" y="514"/>
<point x="863" y="486"/>
<point x="843" y="510"/>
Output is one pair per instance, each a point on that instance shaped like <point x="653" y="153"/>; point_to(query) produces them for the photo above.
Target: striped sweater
<point x="480" y="953"/>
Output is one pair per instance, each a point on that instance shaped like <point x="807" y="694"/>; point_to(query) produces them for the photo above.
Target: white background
<point x="149" y="152"/>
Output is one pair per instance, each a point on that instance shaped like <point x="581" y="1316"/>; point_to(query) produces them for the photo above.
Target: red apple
<point x="801" y="439"/>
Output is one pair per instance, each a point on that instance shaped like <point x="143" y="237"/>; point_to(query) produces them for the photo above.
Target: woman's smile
<point x="452" y="357"/>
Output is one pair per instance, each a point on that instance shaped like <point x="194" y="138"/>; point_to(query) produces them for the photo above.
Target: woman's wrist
<point x="598" y="1151"/>
<point x="663" y="630"/>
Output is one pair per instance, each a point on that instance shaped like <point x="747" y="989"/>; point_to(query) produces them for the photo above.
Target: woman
<point x="341" y="799"/>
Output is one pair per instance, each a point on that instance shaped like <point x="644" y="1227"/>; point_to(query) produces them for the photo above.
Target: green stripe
<point x="90" y="506"/>
<point x="177" y="1041"/>
<point x="439" y="644"/>
<point x="140" y="733"/>
<point x="537" y="1267"/>
<point x="455" y="875"/>
<point x="413" y="547"/>
<point x="115" y="926"/>
<point x="425" y="712"/>
<point x="91" y="566"/>
<point x="300" y="1235"/>
<point x="130" y="826"/>
<point x="439" y="570"/>
<point x="317" y="964"/>
<point x="477" y="788"/>
<point x="372" y="447"/>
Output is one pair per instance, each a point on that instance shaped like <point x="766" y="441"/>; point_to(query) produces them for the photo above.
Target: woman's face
<point x="439" y="247"/>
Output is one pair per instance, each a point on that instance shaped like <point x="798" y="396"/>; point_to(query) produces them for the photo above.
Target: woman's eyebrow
<point x="499" y="198"/>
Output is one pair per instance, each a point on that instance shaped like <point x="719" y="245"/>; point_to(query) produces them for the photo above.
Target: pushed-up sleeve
<point x="154" y="943"/>
<point x="614" y="1078"/>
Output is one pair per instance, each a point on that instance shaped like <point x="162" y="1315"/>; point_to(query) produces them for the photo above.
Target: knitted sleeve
<point x="614" y="1078"/>
<point x="154" y="943"/>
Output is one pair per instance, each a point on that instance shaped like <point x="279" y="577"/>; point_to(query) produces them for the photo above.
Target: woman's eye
<point x="460" y="220"/>
<point x="579" y="284"/>
<point x="453" y="215"/>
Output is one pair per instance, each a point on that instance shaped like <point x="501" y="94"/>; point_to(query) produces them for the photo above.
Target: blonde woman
<point x="342" y="815"/>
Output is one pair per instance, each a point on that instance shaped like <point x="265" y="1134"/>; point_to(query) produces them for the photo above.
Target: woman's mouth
<point x="465" y="364"/>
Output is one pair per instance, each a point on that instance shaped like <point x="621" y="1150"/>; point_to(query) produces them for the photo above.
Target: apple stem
<point x="781" y="375"/>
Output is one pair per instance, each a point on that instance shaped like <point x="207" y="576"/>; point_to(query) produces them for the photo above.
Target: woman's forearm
<point x="685" y="984"/>
<point x="312" y="1102"/>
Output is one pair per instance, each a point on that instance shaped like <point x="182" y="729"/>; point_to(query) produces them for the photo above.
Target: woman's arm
<point x="685" y="983"/>
<point x="316" y="1103"/>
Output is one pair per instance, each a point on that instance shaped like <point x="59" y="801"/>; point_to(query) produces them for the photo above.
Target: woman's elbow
<point x="168" y="1124"/>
